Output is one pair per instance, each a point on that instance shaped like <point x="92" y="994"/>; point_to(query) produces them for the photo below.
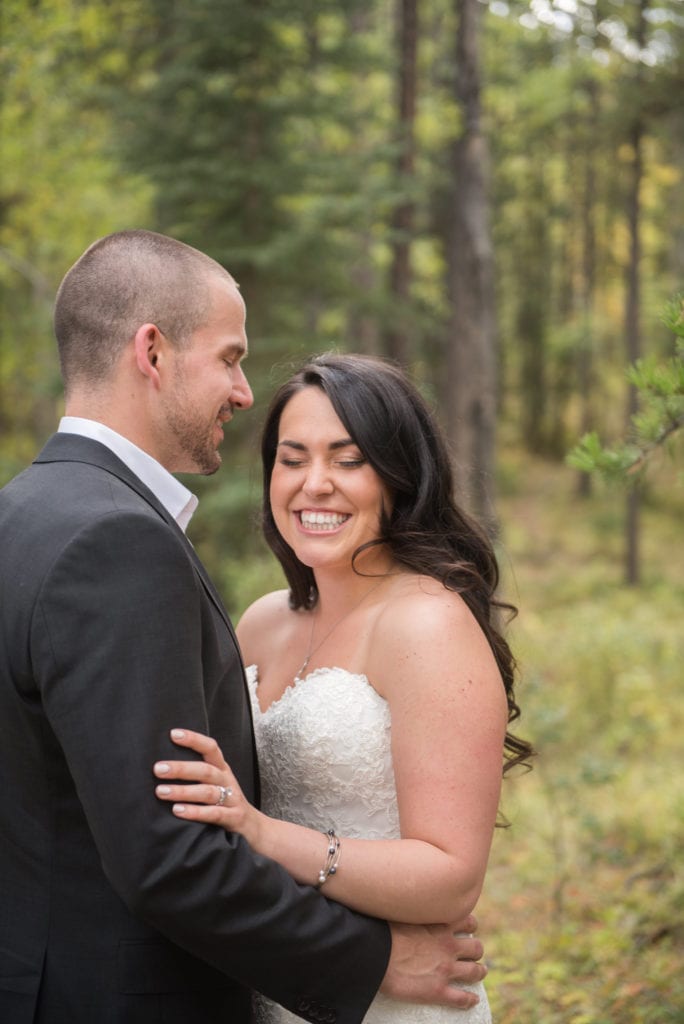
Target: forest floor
<point x="583" y="911"/>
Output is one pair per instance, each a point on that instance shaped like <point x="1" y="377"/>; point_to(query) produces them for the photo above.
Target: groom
<point x="112" y="911"/>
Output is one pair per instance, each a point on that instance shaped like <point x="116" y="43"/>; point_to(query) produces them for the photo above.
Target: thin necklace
<point x="312" y="650"/>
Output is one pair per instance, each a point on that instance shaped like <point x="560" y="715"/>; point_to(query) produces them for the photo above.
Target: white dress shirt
<point x="176" y="499"/>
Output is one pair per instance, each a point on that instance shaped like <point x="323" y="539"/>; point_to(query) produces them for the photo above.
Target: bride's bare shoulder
<point x="421" y="609"/>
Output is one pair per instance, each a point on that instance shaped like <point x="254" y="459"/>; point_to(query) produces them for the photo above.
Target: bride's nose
<point x="318" y="479"/>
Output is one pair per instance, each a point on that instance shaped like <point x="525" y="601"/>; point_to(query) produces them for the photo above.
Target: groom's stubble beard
<point x="193" y="430"/>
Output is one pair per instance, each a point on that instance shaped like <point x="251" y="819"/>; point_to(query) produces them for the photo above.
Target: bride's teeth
<point x="322" y="520"/>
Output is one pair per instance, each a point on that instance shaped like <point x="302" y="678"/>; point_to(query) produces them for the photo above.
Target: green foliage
<point x="614" y="464"/>
<point x="59" y="189"/>
<point x="265" y="134"/>
<point x="270" y="137"/>
<point x="581" y="916"/>
<point x="657" y="423"/>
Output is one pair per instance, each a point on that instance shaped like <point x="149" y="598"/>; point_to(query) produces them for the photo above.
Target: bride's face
<point x="325" y="497"/>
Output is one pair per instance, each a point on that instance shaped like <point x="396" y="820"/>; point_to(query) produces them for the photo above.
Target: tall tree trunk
<point x="471" y="358"/>
<point x="396" y="339"/>
<point x="585" y="355"/>
<point x="632" y="314"/>
<point x="633" y="337"/>
<point x="531" y="315"/>
<point x="362" y="326"/>
<point x="362" y="330"/>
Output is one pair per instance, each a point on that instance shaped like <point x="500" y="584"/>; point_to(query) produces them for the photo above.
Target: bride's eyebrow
<point x="344" y="442"/>
<point x="292" y="444"/>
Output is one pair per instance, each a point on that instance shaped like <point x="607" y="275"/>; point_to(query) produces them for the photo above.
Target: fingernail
<point x="161" y="768"/>
<point x="177" y="734"/>
<point x="179" y="808"/>
<point x="163" y="790"/>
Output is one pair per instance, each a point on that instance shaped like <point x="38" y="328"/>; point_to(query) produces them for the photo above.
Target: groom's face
<point x="207" y="384"/>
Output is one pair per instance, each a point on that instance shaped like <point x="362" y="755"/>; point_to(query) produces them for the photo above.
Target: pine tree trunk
<point x="471" y="358"/>
<point x="362" y="329"/>
<point x="397" y="341"/>
<point x="585" y="355"/>
<point x="531" y="315"/>
<point x="632" y="317"/>
<point x="633" y="336"/>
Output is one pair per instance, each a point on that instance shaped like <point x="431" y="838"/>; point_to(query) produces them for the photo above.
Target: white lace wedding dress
<point x="325" y="761"/>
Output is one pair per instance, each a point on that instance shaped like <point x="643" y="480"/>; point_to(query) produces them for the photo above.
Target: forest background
<point x="492" y="194"/>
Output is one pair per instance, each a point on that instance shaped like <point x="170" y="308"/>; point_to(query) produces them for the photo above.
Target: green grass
<point x="583" y="911"/>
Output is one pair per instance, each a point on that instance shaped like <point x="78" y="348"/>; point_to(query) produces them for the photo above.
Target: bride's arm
<point x="448" y="711"/>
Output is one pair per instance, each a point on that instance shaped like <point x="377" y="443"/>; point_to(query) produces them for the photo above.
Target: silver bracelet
<point x="332" y="859"/>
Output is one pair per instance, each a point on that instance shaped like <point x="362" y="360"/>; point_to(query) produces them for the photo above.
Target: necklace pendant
<point x="302" y="667"/>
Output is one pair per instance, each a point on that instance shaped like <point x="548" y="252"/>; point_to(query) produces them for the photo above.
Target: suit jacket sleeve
<point x="117" y="640"/>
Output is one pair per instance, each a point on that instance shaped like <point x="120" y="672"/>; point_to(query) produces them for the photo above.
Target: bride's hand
<point x="213" y="795"/>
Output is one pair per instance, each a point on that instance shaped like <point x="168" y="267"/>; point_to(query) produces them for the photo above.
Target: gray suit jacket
<point x="111" y="909"/>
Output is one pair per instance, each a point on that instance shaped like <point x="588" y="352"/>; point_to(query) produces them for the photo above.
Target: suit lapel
<point x="63" y="447"/>
<point x="209" y="586"/>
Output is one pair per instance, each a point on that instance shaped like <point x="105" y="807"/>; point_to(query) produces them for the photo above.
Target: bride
<point x="381" y="686"/>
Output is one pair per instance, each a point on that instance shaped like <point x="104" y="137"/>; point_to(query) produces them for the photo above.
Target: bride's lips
<point x="321" y="520"/>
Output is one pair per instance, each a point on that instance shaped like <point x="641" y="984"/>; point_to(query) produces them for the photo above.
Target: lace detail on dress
<point x="324" y="756"/>
<point x="326" y="762"/>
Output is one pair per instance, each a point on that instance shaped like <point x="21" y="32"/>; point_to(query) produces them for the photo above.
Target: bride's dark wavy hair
<point x="425" y="530"/>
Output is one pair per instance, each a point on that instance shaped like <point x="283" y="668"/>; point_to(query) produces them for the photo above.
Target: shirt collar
<point x="176" y="499"/>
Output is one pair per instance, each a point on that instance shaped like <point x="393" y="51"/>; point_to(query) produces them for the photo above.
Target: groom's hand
<point x="429" y="962"/>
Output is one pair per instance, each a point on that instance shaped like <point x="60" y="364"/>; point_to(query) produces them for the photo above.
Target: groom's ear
<point x="149" y="344"/>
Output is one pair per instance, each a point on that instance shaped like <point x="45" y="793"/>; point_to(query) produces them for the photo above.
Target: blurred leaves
<point x="657" y="423"/>
<point x="582" y="911"/>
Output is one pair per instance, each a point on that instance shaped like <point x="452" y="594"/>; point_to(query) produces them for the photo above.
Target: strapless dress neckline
<point x="298" y="682"/>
